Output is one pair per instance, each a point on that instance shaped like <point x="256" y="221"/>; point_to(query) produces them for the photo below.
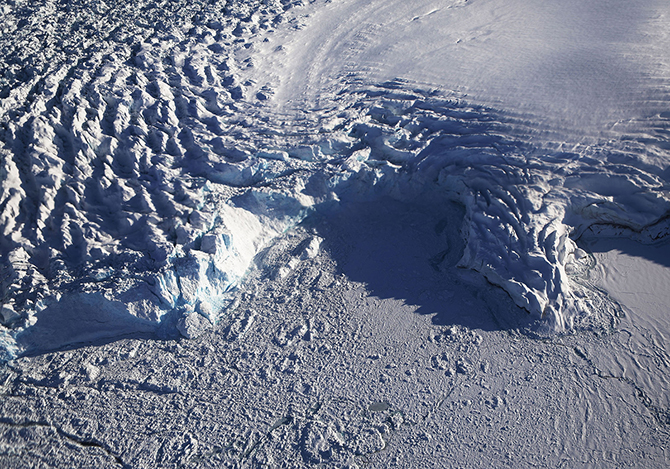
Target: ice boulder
<point x="193" y="325"/>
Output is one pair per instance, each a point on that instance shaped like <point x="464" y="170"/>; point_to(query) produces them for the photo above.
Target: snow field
<point x="334" y="362"/>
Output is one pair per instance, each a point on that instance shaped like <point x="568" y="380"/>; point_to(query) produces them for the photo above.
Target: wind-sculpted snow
<point x="140" y="180"/>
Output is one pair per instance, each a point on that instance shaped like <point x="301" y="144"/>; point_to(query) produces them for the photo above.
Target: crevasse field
<point x="335" y="233"/>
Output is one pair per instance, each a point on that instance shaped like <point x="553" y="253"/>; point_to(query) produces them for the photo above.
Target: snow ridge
<point x="142" y="180"/>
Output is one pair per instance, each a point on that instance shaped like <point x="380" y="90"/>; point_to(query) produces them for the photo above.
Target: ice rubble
<point x="142" y="181"/>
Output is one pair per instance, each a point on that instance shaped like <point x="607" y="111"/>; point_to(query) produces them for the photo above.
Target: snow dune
<point x="142" y="176"/>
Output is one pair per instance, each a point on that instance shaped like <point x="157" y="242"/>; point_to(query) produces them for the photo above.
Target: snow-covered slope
<point x="581" y="64"/>
<point x="147" y="161"/>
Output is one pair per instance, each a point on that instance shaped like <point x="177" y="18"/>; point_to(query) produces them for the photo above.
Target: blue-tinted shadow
<point x="409" y="251"/>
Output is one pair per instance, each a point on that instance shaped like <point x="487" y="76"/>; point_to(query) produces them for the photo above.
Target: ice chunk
<point x="8" y="314"/>
<point x="193" y="325"/>
<point x="312" y="248"/>
<point x="80" y="317"/>
<point x="273" y="155"/>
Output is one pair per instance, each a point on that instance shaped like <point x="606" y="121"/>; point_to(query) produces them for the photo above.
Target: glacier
<point x="335" y="233"/>
<point x="143" y="180"/>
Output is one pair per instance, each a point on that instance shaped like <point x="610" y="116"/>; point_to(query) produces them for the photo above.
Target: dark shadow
<point x="409" y="251"/>
<point x="659" y="253"/>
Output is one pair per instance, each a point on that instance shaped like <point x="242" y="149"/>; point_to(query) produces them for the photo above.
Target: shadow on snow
<point x="409" y="251"/>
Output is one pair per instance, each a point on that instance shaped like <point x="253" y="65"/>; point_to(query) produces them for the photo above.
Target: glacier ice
<point x="141" y="183"/>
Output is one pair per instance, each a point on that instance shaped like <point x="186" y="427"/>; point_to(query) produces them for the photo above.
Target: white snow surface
<point x="575" y="63"/>
<point x="146" y="163"/>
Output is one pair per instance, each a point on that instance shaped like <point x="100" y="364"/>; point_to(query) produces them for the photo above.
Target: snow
<point x="386" y="217"/>
<point x="636" y="275"/>
<point x="583" y="64"/>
